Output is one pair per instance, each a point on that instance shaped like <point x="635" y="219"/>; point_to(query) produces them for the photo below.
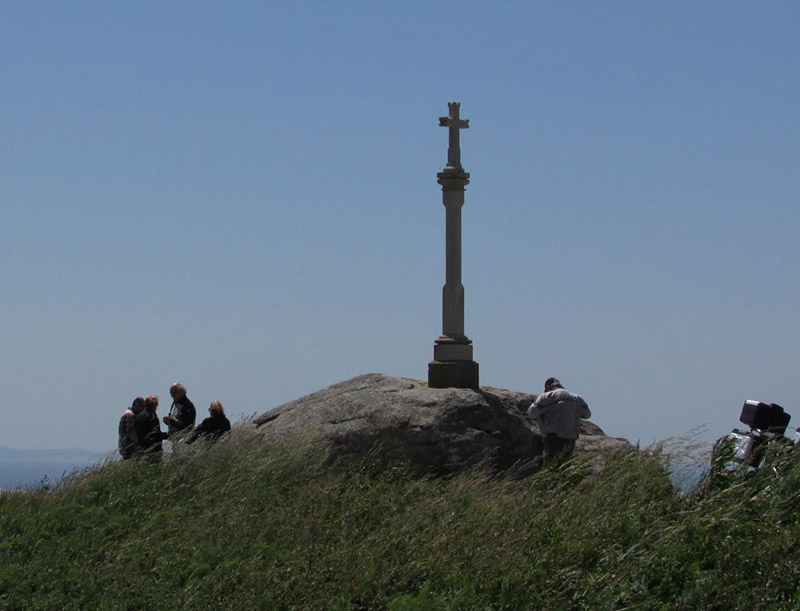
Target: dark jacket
<point x="181" y="415"/>
<point x="148" y="430"/>
<point x="211" y="428"/>
<point x="128" y="440"/>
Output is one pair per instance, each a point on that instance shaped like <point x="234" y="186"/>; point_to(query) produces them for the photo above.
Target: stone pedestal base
<point x="453" y="374"/>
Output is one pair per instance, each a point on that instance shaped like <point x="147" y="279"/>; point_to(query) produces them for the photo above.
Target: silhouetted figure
<point x="182" y="413"/>
<point x="148" y="427"/>
<point x="128" y="438"/>
<point x="213" y="426"/>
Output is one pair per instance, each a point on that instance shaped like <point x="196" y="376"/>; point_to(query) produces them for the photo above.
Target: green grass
<point x="241" y="524"/>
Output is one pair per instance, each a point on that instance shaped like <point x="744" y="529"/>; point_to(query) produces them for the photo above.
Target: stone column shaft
<point x="453" y="290"/>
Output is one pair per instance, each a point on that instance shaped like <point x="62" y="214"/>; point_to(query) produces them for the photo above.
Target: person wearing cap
<point x="559" y="414"/>
<point x="182" y="413"/>
<point x="128" y="439"/>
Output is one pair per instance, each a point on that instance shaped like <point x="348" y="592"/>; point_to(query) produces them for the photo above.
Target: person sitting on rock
<point x="213" y="426"/>
<point x="559" y="414"/>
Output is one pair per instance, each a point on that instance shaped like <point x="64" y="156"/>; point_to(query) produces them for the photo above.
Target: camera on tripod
<point x="767" y="422"/>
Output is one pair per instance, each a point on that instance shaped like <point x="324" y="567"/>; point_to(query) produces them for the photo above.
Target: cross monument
<point x="452" y="365"/>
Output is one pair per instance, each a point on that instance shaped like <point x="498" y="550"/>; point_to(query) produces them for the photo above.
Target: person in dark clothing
<point x="148" y="428"/>
<point x="182" y="413"/>
<point x="213" y="426"/>
<point x="128" y="437"/>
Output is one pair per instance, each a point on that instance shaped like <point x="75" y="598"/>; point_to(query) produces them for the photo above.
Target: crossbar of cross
<point x="454" y="123"/>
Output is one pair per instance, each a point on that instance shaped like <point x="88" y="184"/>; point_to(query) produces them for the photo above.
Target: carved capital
<point x="453" y="180"/>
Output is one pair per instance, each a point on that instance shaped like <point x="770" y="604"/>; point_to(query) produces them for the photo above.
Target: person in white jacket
<point x="559" y="414"/>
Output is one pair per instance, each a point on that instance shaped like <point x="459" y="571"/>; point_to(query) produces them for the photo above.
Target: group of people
<point x="559" y="413"/>
<point x="140" y="428"/>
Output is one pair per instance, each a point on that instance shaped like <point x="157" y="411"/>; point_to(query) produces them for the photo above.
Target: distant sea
<point x="32" y="468"/>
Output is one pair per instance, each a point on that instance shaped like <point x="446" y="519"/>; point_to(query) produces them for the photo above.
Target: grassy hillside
<point x="243" y="525"/>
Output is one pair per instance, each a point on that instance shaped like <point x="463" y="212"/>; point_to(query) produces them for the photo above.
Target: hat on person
<point x="552" y="383"/>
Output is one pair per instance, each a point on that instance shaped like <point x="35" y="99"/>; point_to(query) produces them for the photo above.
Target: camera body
<point x="768" y="417"/>
<point x="767" y="422"/>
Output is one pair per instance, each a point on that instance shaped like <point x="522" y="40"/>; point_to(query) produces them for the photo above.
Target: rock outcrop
<point x="439" y="430"/>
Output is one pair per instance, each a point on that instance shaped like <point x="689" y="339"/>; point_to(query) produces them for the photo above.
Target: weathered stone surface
<point x="436" y="429"/>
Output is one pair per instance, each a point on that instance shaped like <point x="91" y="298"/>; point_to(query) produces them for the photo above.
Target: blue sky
<point x="242" y="196"/>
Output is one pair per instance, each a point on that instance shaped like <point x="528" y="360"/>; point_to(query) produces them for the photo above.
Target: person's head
<point x="216" y="409"/>
<point x="138" y="405"/>
<point x="552" y="384"/>
<point x="151" y="403"/>
<point x="177" y="391"/>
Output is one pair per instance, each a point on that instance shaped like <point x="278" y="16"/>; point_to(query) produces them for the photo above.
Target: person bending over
<point x="559" y="414"/>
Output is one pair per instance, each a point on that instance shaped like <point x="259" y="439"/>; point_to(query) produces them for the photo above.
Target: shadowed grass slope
<point x="243" y="525"/>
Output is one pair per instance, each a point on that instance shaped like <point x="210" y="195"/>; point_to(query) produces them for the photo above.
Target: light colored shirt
<point x="559" y="413"/>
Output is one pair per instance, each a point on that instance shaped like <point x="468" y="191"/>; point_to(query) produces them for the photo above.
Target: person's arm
<point x="533" y="409"/>
<point x="168" y="420"/>
<point x="156" y="435"/>
<point x="180" y="420"/>
<point x="130" y="428"/>
<point x="200" y="429"/>
<point x="583" y="408"/>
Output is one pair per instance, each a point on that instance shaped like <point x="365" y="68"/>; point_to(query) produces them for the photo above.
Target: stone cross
<point x="454" y="123"/>
<point x="452" y="364"/>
